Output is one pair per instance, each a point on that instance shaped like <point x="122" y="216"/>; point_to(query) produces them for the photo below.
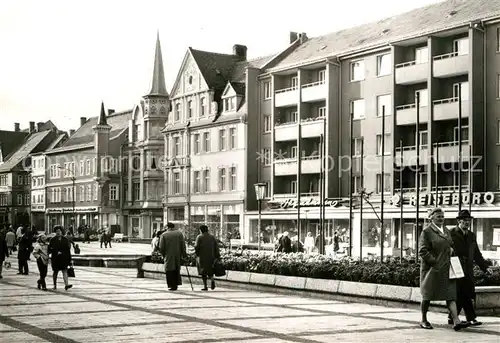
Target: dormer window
<point x="232" y="96"/>
<point x="230" y="104"/>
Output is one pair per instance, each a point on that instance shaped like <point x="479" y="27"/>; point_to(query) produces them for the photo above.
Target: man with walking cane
<point x="173" y="249"/>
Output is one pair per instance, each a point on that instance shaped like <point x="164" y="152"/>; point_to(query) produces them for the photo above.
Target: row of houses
<point x="372" y="92"/>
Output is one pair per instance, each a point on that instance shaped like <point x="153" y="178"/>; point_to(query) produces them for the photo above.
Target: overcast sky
<point x="59" y="59"/>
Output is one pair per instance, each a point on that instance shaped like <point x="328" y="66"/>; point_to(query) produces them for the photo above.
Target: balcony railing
<point x="406" y="64"/>
<point x="285" y="90"/>
<point x="445" y="101"/>
<point x="288" y="123"/>
<point x="445" y="56"/>
<point x="312" y="84"/>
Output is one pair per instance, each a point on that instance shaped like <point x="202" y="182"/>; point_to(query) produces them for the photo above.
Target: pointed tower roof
<point x="102" y="117"/>
<point x="158" y="85"/>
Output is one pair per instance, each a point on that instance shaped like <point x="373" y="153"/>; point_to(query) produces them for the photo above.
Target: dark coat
<point x="173" y="249"/>
<point x="466" y="249"/>
<point x="207" y="250"/>
<point x="4" y="250"/>
<point x="25" y="247"/>
<point x="59" y="248"/>
<point x="435" y="252"/>
<point x="285" y="244"/>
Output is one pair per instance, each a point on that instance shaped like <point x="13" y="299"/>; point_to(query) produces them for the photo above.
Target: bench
<point x="118" y="237"/>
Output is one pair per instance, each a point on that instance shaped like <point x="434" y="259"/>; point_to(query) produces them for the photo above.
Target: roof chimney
<point x="240" y="51"/>
<point x="83" y="120"/>
<point x="303" y="37"/>
<point x="293" y="37"/>
<point x="17" y="128"/>
<point x="32" y="126"/>
<point x="39" y="126"/>
<point x="71" y="132"/>
<point x="110" y="111"/>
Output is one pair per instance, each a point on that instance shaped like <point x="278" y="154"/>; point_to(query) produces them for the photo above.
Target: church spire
<point x="158" y="85"/>
<point x="102" y="117"/>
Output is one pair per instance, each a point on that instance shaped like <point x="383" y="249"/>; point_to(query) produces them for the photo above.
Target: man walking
<point x="465" y="246"/>
<point x="173" y="250"/>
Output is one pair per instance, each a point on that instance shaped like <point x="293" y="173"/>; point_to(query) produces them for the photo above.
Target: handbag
<point x="219" y="269"/>
<point x="71" y="271"/>
<point x="456" y="271"/>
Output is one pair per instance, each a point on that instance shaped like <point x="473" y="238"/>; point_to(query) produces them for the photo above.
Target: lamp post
<point x="260" y="193"/>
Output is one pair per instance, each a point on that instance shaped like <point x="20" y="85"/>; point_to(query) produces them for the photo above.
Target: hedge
<point x="393" y="271"/>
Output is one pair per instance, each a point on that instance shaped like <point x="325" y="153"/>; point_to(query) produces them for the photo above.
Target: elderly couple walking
<point x="437" y="245"/>
<point x="173" y="249"/>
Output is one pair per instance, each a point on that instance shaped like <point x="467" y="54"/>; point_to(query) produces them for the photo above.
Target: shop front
<point x="65" y="216"/>
<point x="38" y="217"/>
<point x="224" y="220"/>
<point x="143" y="223"/>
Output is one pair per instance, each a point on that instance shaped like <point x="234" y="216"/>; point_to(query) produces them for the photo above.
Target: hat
<point x="464" y="214"/>
<point x="170" y="225"/>
<point x="433" y="211"/>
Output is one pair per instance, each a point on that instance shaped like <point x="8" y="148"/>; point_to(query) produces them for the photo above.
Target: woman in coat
<point x="41" y="253"/>
<point x="23" y="255"/>
<point x="436" y="248"/>
<point x="207" y="251"/>
<point x="59" y="248"/>
<point x="4" y="250"/>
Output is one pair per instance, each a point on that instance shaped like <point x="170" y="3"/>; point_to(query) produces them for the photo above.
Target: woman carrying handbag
<point x="60" y="250"/>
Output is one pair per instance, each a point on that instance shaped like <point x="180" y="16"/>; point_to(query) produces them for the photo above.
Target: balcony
<point x="286" y="97"/>
<point x="411" y="72"/>
<point x="407" y="114"/>
<point x="450" y="65"/>
<point x="311" y="127"/>
<point x="448" y="151"/>
<point x="285" y="132"/>
<point x="314" y="91"/>
<point x="446" y="109"/>
<point x="154" y="174"/>
<point x="410" y="156"/>
<point x="285" y="166"/>
<point x="310" y="165"/>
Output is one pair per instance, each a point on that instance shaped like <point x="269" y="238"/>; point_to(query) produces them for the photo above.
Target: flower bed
<point x="392" y="272"/>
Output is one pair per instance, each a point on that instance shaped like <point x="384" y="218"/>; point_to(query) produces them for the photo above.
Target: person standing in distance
<point x="173" y="250"/>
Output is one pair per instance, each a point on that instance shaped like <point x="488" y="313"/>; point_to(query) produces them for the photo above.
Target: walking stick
<point x="189" y="278"/>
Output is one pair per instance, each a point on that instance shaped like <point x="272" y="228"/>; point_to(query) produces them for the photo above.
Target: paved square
<point x="112" y="305"/>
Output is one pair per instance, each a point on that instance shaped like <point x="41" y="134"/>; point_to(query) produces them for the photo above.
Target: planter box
<point x="487" y="298"/>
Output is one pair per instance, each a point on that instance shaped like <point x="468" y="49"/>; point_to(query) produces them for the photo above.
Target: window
<point x="82" y="193"/>
<point x="465" y="133"/>
<point x="266" y="157"/>
<point x="87" y="167"/>
<point x="89" y="193"/>
<point x="190" y="109"/>
<point x="357" y="183"/>
<point x="206" y="180"/>
<point x="82" y="171"/>
<point x="461" y="46"/>
<point x="197" y="182"/>
<point x="384" y="65"/>
<point x="96" y="192"/>
<point x="3" y="180"/>
<point x="358" y="109"/>
<point x="222" y="179"/>
<point x="498" y="132"/>
<point x="177" y="112"/>
<point x="267" y="121"/>
<point x="177" y="183"/>
<point x="498" y="39"/>
<point x="268" y="189"/>
<point x="358" y="70"/>
<point x="387" y="183"/>
<point x="113" y="192"/>
<point x="421" y="55"/>
<point x="113" y="166"/>
<point x="322" y="76"/>
<point x="461" y="89"/>
<point x="20" y="179"/>
<point x="177" y="146"/>
<point x="423" y="139"/>
<point x="203" y="107"/>
<point x="357" y="147"/>
<point x="136" y="191"/>
<point x="498" y="176"/>
<point x="293" y="116"/>
<point x="232" y="180"/>
<point x="294" y="82"/>
<point x="267" y="90"/>
<point x="230" y="104"/>
<point x="3" y="199"/>
<point x="19" y="199"/>
<point x="423" y="179"/>
<point x="69" y="191"/>
<point x="293" y="152"/>
<point x="206" y="141"/>
<point x="498" y="86"/>
<point x="222" y="139"/>
<point x="232" y="138"/>
<point x="384" y="101"/>
<point x="293" y="187"/>
<point x="423" y="97"/>
<point x="386" y="144"/>
<point x="321" y="112"/>
<point x="33" y="201"/>
<point x="196" y="143"/>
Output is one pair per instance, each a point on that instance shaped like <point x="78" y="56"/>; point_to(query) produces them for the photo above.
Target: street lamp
<point x="260" y="193"/>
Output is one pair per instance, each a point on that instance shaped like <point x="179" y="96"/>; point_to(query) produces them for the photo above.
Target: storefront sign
<point x="70" y="209"/>
<point x="308" y="202"/>
<point x="447" y="199"/>
<point x="38" y="208"/>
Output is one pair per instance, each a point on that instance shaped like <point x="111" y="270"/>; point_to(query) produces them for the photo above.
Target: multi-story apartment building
<point x="206" y="140"/>
<point x="143" y="156"/>
<point x="443" y="53"/>
<point x="15" y="180"/>
<point x="83" y="174"/>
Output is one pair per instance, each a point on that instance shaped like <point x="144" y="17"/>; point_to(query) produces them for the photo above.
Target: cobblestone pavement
<point x="111" y="305"/>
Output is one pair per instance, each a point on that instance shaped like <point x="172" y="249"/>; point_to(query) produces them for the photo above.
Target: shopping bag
<point x="456" y="271"/>
<point x="71" y="271"/>
<point x="219" y="269"/>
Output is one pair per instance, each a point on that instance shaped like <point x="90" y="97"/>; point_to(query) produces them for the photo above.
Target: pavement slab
<point x="112" y="305"/>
